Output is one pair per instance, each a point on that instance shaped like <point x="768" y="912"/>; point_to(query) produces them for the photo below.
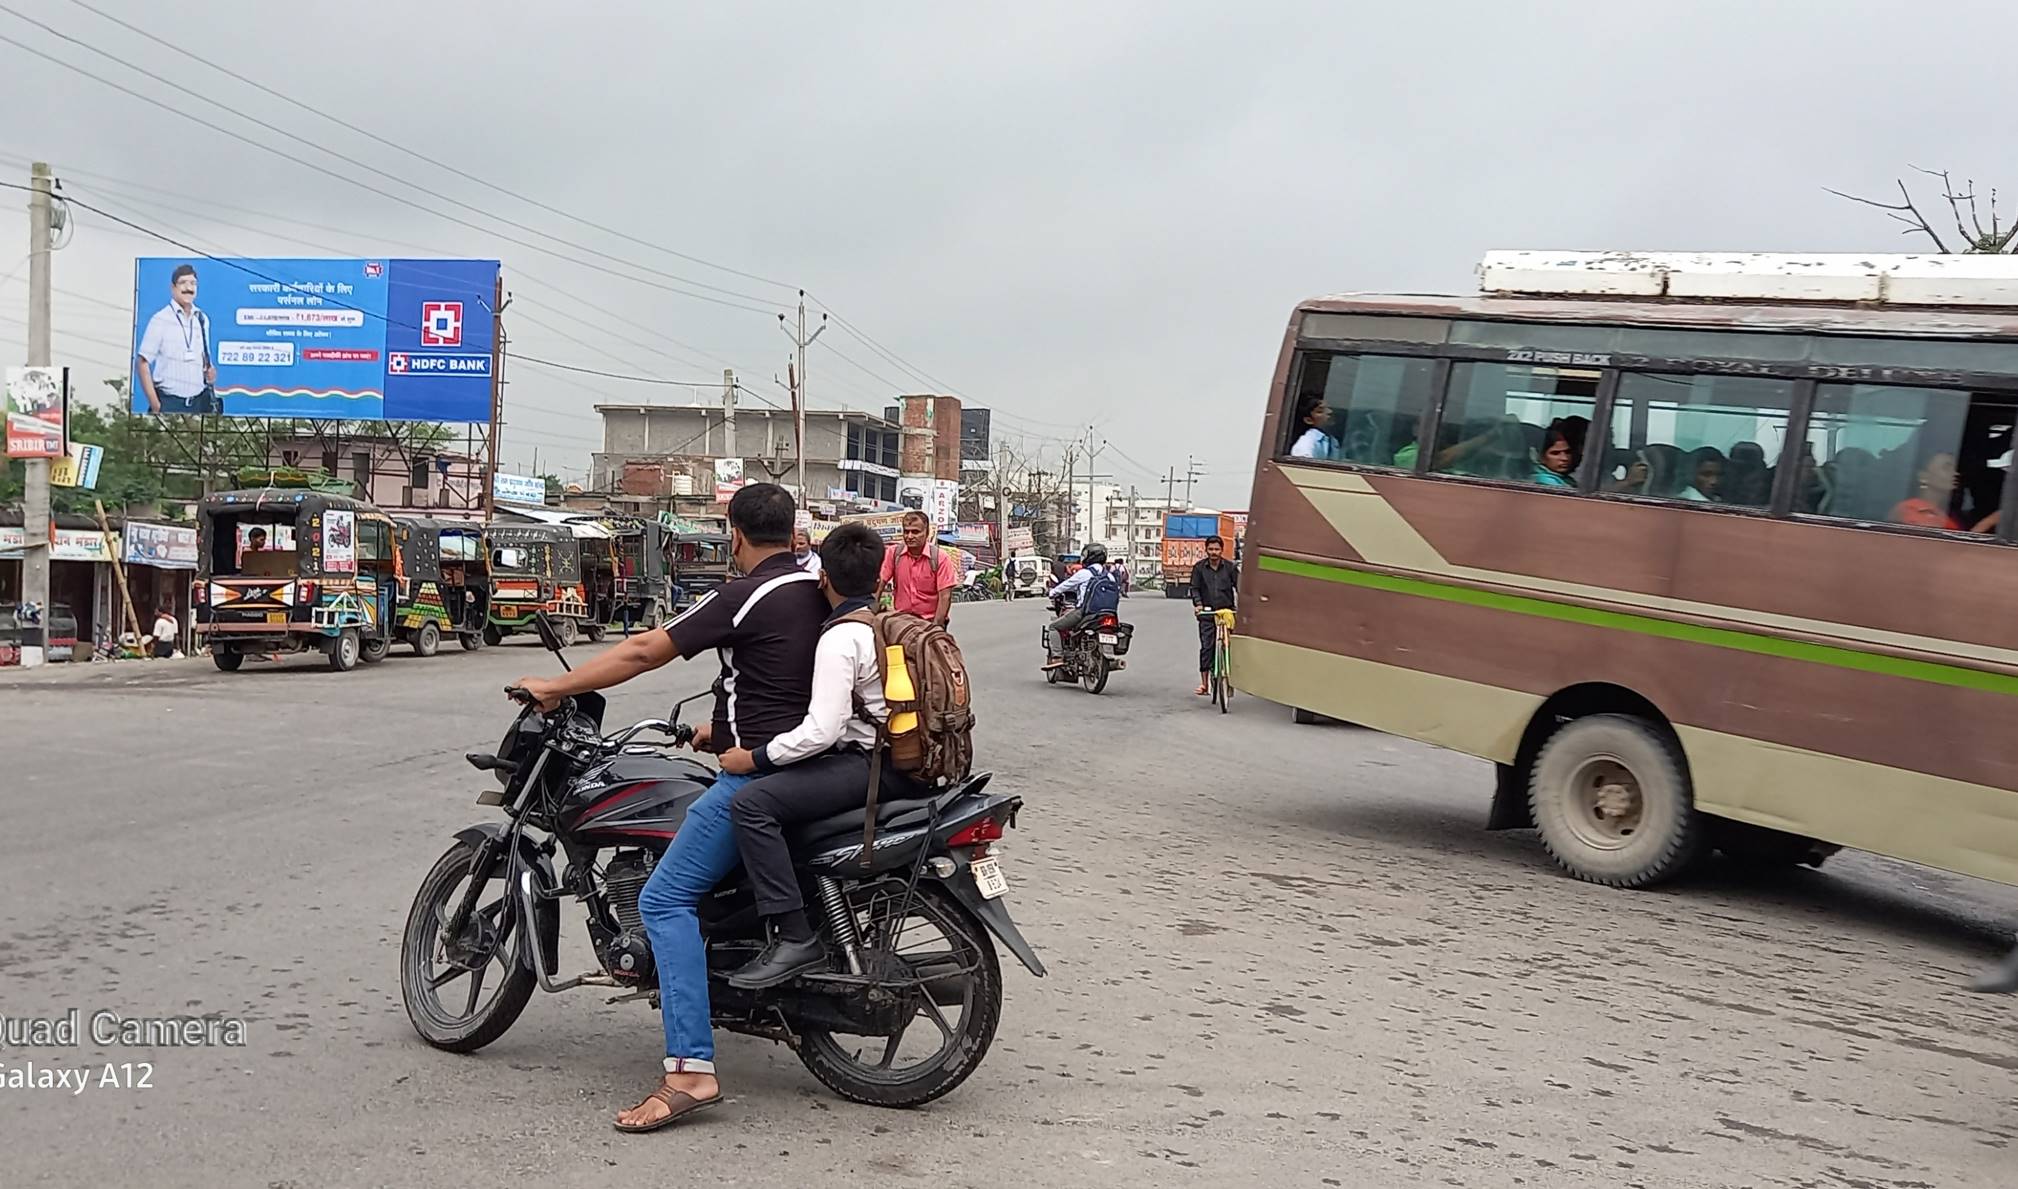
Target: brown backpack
<point x="937" y="747"/>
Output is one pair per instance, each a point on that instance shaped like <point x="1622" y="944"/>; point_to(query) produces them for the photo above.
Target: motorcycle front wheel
<point x="443" y="979"/>
<point x="939" y="959"/>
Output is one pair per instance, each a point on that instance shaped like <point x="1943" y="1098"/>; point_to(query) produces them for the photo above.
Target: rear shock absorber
<point x="841" y="920"/>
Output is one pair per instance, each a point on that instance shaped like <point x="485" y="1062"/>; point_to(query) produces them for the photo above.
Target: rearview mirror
<point x="548" y="636"/>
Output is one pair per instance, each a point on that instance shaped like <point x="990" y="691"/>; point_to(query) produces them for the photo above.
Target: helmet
<point x="1093" y="555"/>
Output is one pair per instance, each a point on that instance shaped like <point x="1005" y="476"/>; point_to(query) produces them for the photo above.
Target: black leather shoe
<point x="2001" y="979"/>
<point x="782" y="961"/>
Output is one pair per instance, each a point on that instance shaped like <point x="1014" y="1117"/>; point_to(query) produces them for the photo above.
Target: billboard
<point x="519" y="489"/>
<point x="37" y="398"/>
<point x="390" y="340"/>
<point x="163" y="546"/>
<point x="728" y="478"/>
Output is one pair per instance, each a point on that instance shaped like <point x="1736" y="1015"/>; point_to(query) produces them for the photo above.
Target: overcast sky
<point x="1072" y="213"/>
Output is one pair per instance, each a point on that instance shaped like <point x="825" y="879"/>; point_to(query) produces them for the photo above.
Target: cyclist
<point x="1215" y="586"/>
<point x="1080" y="588"/>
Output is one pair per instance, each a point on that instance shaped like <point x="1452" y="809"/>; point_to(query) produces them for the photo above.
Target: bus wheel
<point x="227" y="660"/>
<point x="492" y="636"/>
<point x="1613" y="804"/>
<point x="426" y="640"/>
<point x="343" y="650"/>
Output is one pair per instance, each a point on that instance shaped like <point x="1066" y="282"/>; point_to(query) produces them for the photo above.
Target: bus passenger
<point x="1558" y="461"/>
<point x="1747" y="478"/>
<point x="1316" y="442"/>
<point x="1932" y="495"/>
<point x="1705" y="476"/>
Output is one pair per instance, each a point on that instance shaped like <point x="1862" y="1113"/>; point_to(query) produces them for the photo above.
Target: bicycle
<point x="1222" y="663"/>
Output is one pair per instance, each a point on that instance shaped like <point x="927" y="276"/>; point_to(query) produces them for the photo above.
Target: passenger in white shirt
<point x="803" y="552"/>
<point x="175" y="363"/>
<point x="819" y="768"/>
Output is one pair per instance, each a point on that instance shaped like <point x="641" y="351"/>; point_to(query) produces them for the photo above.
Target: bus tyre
<point x="426" y="640"/>
<point x="343" y="650"/>
<point x="1612" y="802"/>
<point x="227" y="660"/>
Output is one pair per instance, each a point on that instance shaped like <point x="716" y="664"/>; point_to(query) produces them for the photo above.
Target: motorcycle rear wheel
<point x="427" y="967"/>
<point x="961" y="971"/>
<point x="1093" y="678"/>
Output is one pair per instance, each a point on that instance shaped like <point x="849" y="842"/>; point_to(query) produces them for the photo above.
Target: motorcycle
<point x="908" y="929"/>
<point x="1091" y="651"/>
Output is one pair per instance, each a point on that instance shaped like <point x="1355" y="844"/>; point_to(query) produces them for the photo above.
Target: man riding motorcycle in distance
<point x="1091" y="576"/>
<point x="765" y="626"/>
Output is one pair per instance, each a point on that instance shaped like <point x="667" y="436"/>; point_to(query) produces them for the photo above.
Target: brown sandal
<point x="679" y="1104"/>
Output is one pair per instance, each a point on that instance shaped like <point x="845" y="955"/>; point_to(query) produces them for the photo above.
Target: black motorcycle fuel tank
<point x="638" y="798"/>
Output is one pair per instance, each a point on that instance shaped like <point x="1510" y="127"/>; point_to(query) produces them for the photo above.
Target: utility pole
<point x="800" y="342"/>
<point x="1002" y="519"/>
<point x="35" y="504"/>
<point x="728" y="413"/>
<point x="1131" y="528"/>
<point x="1170" y="490"/>
<point x="1071" y="521"/>
<point x="1192" y="471"/>
<point x="1091" y="452"/>
<point x="497" y="361"/>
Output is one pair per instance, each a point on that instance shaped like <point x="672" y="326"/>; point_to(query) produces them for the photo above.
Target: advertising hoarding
<point x="37" y="399"/>
<point x="728" y="477"/>
<point x="163" y="546"/>
<point x="66" y="544"/>
<point x="78" y="468"/>
<point x="390" y="340"/>
<point x="339" y="541"/>
<point x="519" y="489"/>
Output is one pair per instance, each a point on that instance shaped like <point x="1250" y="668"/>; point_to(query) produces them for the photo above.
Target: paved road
<point x="1280" y="955"/>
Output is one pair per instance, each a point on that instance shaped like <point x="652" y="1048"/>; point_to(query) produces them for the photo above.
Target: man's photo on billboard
<point x="174" y="365"/>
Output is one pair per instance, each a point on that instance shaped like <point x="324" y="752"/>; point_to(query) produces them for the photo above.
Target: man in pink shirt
<point x="918" y="574"/>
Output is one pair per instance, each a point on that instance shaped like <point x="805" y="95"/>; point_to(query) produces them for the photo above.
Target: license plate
<point x="276" y="617"/>
<point x="1109" y="638"/>
<point x="989" y="878"/>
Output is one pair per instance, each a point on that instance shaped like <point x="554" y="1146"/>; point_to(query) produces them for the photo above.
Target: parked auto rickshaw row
<point x="290" y="570"/>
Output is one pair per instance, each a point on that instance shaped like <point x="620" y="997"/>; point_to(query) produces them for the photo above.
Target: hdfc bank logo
<point x="441" y="324"/>
<point x="373" y="269"/>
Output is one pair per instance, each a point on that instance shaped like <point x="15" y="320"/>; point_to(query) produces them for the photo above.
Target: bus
<point x="1704" y="553"/>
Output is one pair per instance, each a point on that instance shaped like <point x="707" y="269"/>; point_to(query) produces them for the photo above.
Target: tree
<point x="555" y="489"/>
<point x="1976" y="238"/>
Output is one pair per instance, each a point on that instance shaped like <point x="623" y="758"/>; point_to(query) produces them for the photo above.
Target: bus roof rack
<point x="1837" y="278"/>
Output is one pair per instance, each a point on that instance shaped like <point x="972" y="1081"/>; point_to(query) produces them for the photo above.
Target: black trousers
<point x="1208" y="642"/>
<point x="803" y="792"/>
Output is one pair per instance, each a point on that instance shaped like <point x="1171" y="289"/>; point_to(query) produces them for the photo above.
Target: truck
<point x="1184" y="535"/>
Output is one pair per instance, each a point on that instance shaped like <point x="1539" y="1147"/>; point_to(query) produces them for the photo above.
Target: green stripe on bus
<point x="1647" y="625"/>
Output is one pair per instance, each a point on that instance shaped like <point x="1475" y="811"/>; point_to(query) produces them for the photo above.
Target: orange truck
<point x="1184" y="535"/>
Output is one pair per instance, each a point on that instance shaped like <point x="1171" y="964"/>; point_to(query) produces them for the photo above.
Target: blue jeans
<point x="702" y="854"/>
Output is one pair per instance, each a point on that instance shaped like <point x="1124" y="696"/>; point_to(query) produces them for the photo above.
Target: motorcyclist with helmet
<point x="1077" y="588"/>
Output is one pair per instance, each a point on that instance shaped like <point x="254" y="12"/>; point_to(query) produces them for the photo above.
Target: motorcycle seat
<point x="815" y="835"/>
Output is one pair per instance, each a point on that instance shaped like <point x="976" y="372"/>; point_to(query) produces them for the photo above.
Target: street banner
<point x="372" y="340"/>
<point x="163" y="546"/>
<point x="339" y="541"/>
<point x="728" y="477"/>
<point x="78" y="468"/>
<point x="1022" y="540"/>
<point x="519" y="489"/>
<point x="975" y="533"/>
<point x="66" y="544"/>
<point x="37" y="401"/>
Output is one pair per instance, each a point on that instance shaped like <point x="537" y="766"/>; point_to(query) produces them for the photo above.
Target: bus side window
<point x="1698" y="438"/>
<point x="1360" y="409"/>
<point x="1500" y="421"/>
<point x="1922" y="457"/>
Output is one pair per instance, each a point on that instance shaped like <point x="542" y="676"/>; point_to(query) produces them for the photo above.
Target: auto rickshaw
<point x="294" y="570"/>
<point x="625" y="575"/>
<point x="696" y="563"/>
<point x="444" y="583"/>
<point x="534" y="568"/>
